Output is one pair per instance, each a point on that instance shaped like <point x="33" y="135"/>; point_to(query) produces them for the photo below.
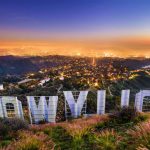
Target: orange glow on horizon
<point x="122" y="47"/>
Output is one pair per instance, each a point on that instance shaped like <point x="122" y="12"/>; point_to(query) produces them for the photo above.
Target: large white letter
<point x="125" y="94"/>
<point x="42" y="108"/>
<point x="10" y="107"/>
<point x="101" y="98"/>
<point x="76" y="105"/>
<point x="139" y="99"/>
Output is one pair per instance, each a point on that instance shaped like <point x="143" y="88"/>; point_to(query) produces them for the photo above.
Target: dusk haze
<point x="68" y="27"/>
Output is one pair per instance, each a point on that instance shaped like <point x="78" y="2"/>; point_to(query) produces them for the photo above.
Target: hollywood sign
<point x="45" y="107"/>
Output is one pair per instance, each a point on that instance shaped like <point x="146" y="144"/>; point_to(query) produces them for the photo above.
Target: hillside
<point x="125" y="129"/>
<point x="139" y="80"/>
<point x="16" y="65"/>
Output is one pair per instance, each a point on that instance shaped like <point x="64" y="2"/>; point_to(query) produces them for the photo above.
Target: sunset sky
<point x="75" y="27"/>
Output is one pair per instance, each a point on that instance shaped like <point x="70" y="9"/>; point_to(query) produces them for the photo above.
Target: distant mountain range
<point x="16" y="65"/>
<point x="19" y="65"/>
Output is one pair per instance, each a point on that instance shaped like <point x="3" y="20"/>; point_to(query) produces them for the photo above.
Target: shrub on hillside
<point x="9" y="126"/>
<point x="141" y="136"/>
<point x="4" y="130"/>
<point x="14" y="123"/>
<point x="122" y="119"/>
<point x="61" y="137"/>
<point x="29" y="141"/>
<point x="126" y="115"/>
<point x="107" y="140"/>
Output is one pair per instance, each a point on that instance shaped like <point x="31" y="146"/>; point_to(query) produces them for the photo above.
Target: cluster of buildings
<point x="75" y="71"/>
<point x="90" y="72"/>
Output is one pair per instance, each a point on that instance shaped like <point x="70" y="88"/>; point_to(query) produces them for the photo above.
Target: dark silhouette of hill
<point x="16" y="65"/>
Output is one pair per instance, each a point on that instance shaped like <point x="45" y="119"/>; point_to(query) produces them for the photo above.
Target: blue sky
<point x="50" y="18"/>
<point x="89" y="20"/>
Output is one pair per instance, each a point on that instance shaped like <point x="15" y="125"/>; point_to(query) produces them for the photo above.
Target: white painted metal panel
<point x="51" y="109"/>
<point x="101" y="98"/>
<point x="36" y="106"/>
<point x="139" y="99"/>
<point x="45" y="109"/>
<point x="1" y="108"/>
<point x="125" y="94"/>
<point x="17" y="106"/>
<point x="75" y="106"/>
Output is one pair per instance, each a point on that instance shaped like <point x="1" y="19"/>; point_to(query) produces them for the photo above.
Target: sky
<point x="75" y="27"/>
